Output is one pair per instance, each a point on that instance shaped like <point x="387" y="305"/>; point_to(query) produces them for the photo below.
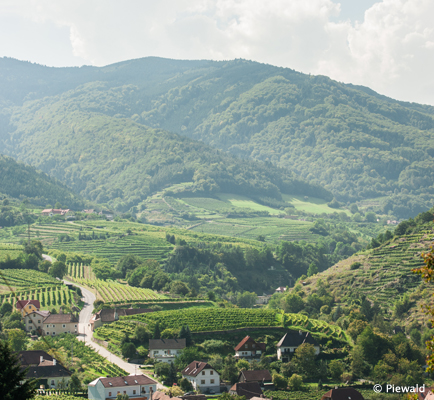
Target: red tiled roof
<point x="131" y="380"/>
<point x="249" y="340"/>
<point x="22" y="303"/>
<point x="243" y="342"/>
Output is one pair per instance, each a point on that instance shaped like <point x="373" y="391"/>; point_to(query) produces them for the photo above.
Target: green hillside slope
<point x="21" y="181"/>
<point x="116" y="160"/>
<point x="382" y="275"/>
<point x="351" y="140"/>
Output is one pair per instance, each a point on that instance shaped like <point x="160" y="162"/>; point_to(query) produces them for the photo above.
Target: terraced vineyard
<point x="110" y="291"/>
<point x="115" y="248"/>
<point x="385" y="273"/>
<point x="26" y="278"/>
<point x="49" y="296"/>
<point x="218" y="319"/>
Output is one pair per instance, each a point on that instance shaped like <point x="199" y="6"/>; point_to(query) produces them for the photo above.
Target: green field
<point x="312" y="205"/>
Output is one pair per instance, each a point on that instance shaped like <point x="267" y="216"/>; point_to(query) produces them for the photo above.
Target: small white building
<point x="291" y="341"/>
<point x="202" y="376"/>
<point x="137" y="387"/>
<point x="165" y="350"/>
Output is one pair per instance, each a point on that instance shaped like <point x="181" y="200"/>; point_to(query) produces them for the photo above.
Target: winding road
<point x="85" y="334"/>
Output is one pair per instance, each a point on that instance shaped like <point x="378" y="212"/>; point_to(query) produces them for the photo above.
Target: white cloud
<point x="391" y="50"/>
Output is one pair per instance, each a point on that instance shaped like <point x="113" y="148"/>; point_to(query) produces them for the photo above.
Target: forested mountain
<point x="21" y="181"/>
<point x="349" y="139"/>
<point x="116" y="160"/>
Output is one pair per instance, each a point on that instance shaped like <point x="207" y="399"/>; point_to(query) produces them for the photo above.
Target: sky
<point x="386" y="45"/>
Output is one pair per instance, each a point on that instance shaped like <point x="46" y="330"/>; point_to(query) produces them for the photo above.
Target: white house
<point x="202" y="376"/>
<point x="137" y="387"/>
<point x="291" y="341"/>
<point x="165" y="350"/>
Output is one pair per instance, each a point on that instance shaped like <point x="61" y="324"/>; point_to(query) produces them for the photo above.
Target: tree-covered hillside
<point x="21" y="181"/>
<point x="356" y="143"/>
<point x="116" y="160"/>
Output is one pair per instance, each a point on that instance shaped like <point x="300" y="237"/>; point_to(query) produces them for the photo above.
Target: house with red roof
<point x="248" y="348"/>
<point x="27" y="306"/>
<point x="137" y="387"/>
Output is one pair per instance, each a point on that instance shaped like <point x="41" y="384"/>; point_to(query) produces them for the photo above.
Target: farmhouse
<point x="45" y="368"/>
<point x="248" y="348"/>
<point x="137" y="387"/>
<point x="281" y="289"/>
<point x="247" y="389"/>
<point x="55" y="324"/>
<point x="202" y="376"/>
<point x="165" y="350"/>
<point x="291" y="341"/>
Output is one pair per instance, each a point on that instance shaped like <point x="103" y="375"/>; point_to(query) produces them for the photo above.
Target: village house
<point x="165" y="350"/>
<point x="291" y="341"/>
<point x="248" y="348"/>
<point x="55" y="324"/>
<point x="44" y="368"/>
<point x="137" y="387"/>
<point x="35" y="320"/>
<point x="27" y="306"/>
<point x="109" y="315"/>
<point x="247" y="389"/>
<point x="202" y="376"/>
<point x="262" y="377"/>
<point x="281" y="289"/>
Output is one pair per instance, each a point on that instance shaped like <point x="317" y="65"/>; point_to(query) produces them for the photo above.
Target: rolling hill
<point x="354" y="142"/>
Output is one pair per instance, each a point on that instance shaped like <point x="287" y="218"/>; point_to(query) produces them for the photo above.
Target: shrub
<point x="355" y="265"/>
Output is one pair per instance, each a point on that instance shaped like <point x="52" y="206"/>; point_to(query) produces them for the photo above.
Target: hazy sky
<point x="387" y="45"/>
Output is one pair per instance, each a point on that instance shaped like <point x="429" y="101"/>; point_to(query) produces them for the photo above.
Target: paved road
<point x="85" y="334"/>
